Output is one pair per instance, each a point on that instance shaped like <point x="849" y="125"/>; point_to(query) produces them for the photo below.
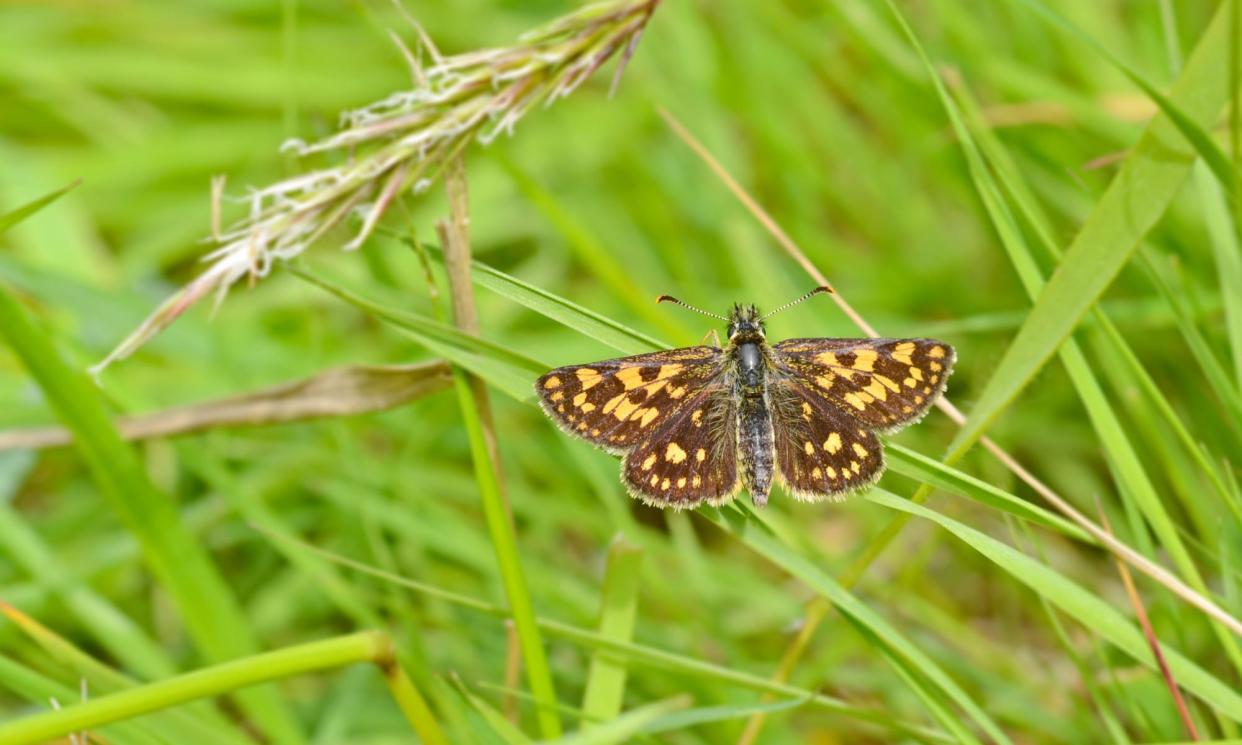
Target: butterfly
<point x="695" y="425"/>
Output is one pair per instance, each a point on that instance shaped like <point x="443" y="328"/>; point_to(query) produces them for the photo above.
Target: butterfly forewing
<point x="692" y="457"/>
<point x="820" y="450"/>
<point x="883" y="384"/>
<point x="617" y="404"/>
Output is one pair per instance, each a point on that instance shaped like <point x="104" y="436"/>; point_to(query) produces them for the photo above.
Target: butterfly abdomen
<point x="755" y="444"/>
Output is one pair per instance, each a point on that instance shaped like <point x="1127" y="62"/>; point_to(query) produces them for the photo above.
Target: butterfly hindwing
<point x="692" y="457"/>
<point x="617" y="404"/>
<point x="883" y="384"/>
<point x="821" y="452"/>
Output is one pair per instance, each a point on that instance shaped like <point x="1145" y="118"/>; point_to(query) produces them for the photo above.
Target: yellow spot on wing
<point x="936" y="352"/>
<point x="916" y="373"/>
<point x="649" y="462"/>
<point x="587" y="377"/>
<point x="877" y="390"/>
<point x="864" y="359"/>
<point x="677" y="392"/>
<point x="816" y="473"/>
<point x="665" y="484"/>
<point x="832" y="472"/>
<point x="827" y="358"/>
<point x="853" y="399"/>
<point x="558" y="396"/>
<point x="860" y="450"/>
<point x="806" y="411"/>
<point x="648" y="416"/>
<point x="630" y="377"/>
<point x="668" y="371"/>
<point x="624" y="409"/>
<point x="700" y="455"/>
<point x="696" y="481"/>
<point x="833" y="443"/>
<point x="824" y="381"/>
<point x="902" y="352"/>
<point x="681" y="482"/>
<point x="674" y="453"/>
<point x="910" y="382"/>
<point x="935" y="366"/>
<point x="854" y="466"/>
<point x="552" y="382"/>
<point x="697" y="417"/>
<point x="580" y="398"/>
<point x="887" y="382"/>
<point x="654" y="479"/>
<point x="587" y="408"/>
<point x="809" y="447"/>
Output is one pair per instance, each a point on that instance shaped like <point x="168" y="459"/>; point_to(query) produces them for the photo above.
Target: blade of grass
<point x="481" y="432"/>
<point x="636" y="654"/>
<point x="1153" y="642"/>
<point x="559" y="309"/>
<point x="192" y="724"/>
<point x="14" y="216"/>
<point x="1082" y="604"/>
<point x="753" y="532"/>
<point x="208" y="608"/>
<point x="369" y="646"/>
<point x="625" y="727"/>
<point x="1147" y="182"/>
<point x="605" y="687"/>
<point x="1192" y="128"/>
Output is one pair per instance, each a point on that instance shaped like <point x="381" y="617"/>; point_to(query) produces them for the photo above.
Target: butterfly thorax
<point x="749" y="355"/>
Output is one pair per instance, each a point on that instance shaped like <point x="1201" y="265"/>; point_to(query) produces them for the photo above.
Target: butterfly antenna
<point x="675" y="301"/>
<point x="818" y="290"/>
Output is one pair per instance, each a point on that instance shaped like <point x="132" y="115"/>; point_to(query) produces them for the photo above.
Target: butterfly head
<point x="745" y="324"/>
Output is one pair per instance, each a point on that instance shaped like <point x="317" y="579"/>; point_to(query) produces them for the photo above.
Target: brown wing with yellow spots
<point x="883" y="384"/>
<point x="692" y="457"/>
<point x="618" y="404"/>
<point x="821" y="452"/>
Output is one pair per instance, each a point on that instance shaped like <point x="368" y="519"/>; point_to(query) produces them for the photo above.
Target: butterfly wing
<point x="821" y="451"/>
<point x="692" y="457"/>
<point x="618" y="404"/>
<point x="882" y="384"/>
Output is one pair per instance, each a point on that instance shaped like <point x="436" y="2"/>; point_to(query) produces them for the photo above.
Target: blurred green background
<point x="823" y="111"/>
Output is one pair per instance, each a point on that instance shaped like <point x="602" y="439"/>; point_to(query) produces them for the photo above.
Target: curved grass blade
<point x="510" y="371"/>
<point x="755" y="534"/>
<point x="640" y="654"/>
<point x="14" y="216"/>
<point x="559" y="309"/>
<point x="1194" y="132"/>
<point x="1147" y="182"/>
<point x="1083" y="605"/>
<point x="934" y="473"/>
<point x="211" y="614"/>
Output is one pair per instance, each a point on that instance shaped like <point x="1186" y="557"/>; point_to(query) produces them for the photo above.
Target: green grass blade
<point x="14" y="216"/>
<point x="1083" y="605"/>
<point x="208" y="608"/>
<point x="755" y="534"/>
<point x="605" y="688"/>
<point x="559" y="309"/>
<point x="500" y="530"/>
<point x="623" y="728"/>
<point x="213" y="681"/>
<point x="1134" y="201"/>
<point x="1193" y="130"/>
<point x="934" y="473"/>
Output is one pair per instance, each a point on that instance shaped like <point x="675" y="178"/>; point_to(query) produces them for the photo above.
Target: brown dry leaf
<point x="355" y="389"/>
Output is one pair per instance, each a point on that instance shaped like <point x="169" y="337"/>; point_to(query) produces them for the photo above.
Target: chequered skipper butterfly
<point x="696" y="424"/>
